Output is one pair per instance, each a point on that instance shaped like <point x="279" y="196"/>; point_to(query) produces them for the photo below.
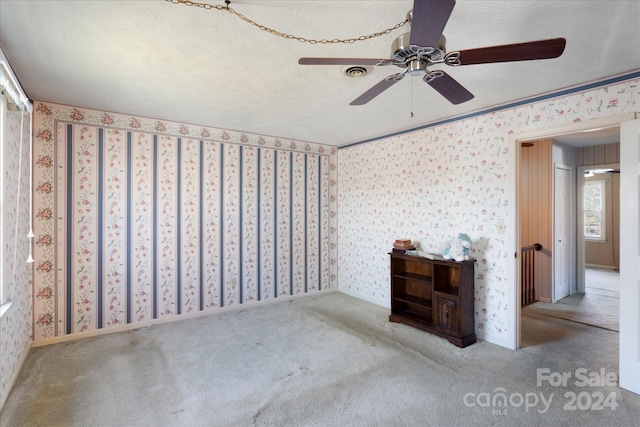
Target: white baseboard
<point x="132" y="326"/>
<point x="14" y="378"/>
<point x="376" y="301"/>
<point x="494" y="340"/>
<point x="605" y="267"/>
<point x="386" y="304"/>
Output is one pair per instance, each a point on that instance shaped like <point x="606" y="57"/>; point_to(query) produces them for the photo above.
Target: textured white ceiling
<point x="588" y="138"/>
<point x="207" y="67"/>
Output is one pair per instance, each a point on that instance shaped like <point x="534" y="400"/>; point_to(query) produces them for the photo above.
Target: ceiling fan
<point x="424" y="46"/>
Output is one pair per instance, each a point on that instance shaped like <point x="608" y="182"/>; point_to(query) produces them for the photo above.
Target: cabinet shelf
<point x="413" y="276"/>
<point x="434" y="295"/>
<point x="414" y="300"/>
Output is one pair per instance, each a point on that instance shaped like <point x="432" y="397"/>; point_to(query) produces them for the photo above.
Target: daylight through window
<point x="594" y="210"/>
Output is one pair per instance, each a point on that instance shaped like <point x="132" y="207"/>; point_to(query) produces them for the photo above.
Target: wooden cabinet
<point x="447" y="317"/>
<point x="435" y="295"/>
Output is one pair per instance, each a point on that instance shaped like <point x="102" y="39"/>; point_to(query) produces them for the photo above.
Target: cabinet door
<point x="447" y="316"/>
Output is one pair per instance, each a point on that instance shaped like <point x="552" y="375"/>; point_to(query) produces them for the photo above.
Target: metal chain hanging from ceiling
<point x="285" y="35"/>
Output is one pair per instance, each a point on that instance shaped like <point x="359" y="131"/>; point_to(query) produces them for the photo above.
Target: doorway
<point x="582" y="217"/>
<point x="630" y="131"/>
<point x="598" y="218"/>
<point x="594" y="300"/>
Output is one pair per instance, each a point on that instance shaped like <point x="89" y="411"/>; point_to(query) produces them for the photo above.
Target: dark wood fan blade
<point x="428" y="21"/>
<point x="376" y="90"/>
<point x="448" y="87"/>
<point x="541" y="49"/>
<point x="340" y="61"/>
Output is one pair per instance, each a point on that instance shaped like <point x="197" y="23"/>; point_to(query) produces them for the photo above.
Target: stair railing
<point x="527" y="273"/>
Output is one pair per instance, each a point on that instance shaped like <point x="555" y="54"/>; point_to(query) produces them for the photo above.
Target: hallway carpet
<point x="326" y="360"/>
<point x="599" y="306"/>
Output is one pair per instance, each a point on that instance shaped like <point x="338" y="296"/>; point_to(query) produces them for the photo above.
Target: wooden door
<point x="447" y="314"/>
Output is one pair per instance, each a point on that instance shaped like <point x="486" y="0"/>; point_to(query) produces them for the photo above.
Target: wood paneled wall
<point x="599" y="154"/>
<point x="535" y="209"/>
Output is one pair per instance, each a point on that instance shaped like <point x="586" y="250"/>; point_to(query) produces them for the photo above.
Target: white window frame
<point x="4" y="284"/>
<point x="10" y="92"/>
<point x="603" y="211"/>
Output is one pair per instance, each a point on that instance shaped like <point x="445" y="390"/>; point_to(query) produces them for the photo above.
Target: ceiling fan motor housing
<point x="403" y="52"/>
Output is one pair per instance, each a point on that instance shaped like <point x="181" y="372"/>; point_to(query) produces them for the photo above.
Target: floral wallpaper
<point x="430" y="185"/>
<point x="138" y="219"/>
<point x="15" y="324"/>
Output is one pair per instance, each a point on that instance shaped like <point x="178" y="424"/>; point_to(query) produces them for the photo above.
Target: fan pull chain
<point x="411" y="115"/>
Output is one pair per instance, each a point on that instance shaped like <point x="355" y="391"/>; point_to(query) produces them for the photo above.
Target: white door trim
<point x="629" y="352"/>
<point x="513" y="235"/>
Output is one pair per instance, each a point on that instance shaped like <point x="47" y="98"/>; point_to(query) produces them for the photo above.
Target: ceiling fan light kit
<point x="425" y="45"/>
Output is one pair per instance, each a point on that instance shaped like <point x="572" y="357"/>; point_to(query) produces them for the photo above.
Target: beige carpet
<point x="327" y="360"/>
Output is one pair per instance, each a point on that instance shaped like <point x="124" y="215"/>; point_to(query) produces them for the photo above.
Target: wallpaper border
<point x="519" y="103"/>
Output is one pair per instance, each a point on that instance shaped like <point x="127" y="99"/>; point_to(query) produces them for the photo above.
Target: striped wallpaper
<point x="152" y="225"/>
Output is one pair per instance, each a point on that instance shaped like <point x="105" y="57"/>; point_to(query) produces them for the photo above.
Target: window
<point x="3" y="283"/>
<point x="12" y="99"/>
<point x="11" y="175"/>
<point x="594" y="210"/>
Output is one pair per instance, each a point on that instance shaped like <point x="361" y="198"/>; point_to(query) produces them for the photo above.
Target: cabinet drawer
<point x="447" y="315"/>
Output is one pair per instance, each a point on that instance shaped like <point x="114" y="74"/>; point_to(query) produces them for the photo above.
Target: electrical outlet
<point x="501" y="228"/>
